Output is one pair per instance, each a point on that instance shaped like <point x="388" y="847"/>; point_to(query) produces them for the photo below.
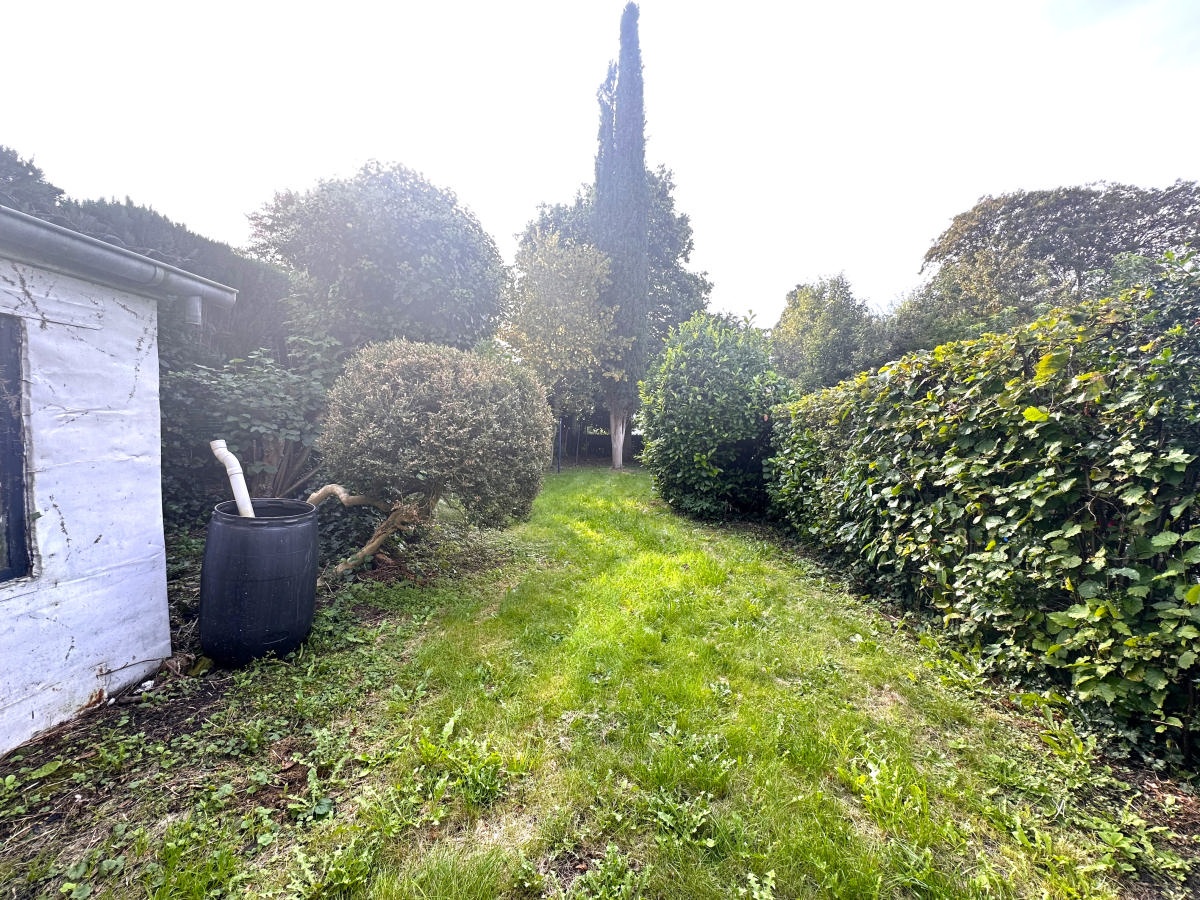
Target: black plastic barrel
<point x="258" y="582"/>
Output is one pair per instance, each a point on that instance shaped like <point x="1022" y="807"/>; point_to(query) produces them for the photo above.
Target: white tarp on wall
<point x="91" y="618"/>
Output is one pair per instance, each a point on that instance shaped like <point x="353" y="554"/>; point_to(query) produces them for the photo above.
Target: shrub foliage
<point x="705" y="411"/>
<point x="417" y="423"/>
<point x="1038" y="488"/>
<point x="266" y="412"/>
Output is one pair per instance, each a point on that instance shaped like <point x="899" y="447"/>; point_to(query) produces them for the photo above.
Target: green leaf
<point x="1050" y="364"/>
<point x="1178" y="455"/>
<point x="1164" y="540"/>
<point x="1178" y="508"/>
<point x="48" y="769"/>
<point x="1133" y="495"/>
<point x="1103" y="690"/>
<point x="1034" y="414"/>
<point x="1156" y="678"/>
<point x="1186" y="659"/>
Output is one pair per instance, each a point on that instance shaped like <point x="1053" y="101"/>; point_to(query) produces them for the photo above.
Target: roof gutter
<point x="32" y="240"/>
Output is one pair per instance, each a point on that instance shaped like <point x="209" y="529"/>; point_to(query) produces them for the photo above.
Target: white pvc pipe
<point x="236" y="480"/>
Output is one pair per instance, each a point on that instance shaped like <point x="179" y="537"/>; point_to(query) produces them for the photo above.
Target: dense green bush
<point x="705" y="412"/>
<point x="418" y="423"/>
<point x="267" y="413"/>
<point x="1036" y="487"/>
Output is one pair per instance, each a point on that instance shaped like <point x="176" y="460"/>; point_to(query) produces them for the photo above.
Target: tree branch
<point x="400" y="516"/>
<point x="348" y="499"/>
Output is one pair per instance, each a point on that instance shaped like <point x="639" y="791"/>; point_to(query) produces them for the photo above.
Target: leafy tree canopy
<point x="385" y="254"/>
<point x="256" y="321"/>
<point x="826" y="334"/>
<point x="1043" y="247"/>
<point x="1009" y="259"/>
<point x="24" y="187"/>
<point x="554" y="319"/>
<point x="676" y="292"/>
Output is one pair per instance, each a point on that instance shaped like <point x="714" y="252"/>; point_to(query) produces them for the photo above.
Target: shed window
<point x="14" y="549"/>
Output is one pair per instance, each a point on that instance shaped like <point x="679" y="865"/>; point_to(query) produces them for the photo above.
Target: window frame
<point x="16" y="562"/>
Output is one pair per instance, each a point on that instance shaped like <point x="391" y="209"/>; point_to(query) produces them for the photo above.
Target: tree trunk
<point x="618" y="419"/>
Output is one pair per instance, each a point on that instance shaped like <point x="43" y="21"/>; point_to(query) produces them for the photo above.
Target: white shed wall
<point x="91" y="618"/>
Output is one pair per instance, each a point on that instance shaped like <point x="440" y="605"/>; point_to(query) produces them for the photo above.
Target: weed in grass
<point x="1068" y="787"/>
<point x="477" y="771"/>
<point x="1129" y="845"/>
<point x="697" y="763"/>
<point x="721" y="692"/>
<point x="482" y="772"/>
<point x="891" y="791"/>
<point x="614" y="877"/>
<point x="97" y="870"/>
<point x="681" y="820"/>
<point x="215" y="798"/>
<point x="415" y="801"/>
<point x="314" y="807"/>
<point x="759" y="890"/>
<point x="530" y="881"/>
<point x="196" y="858"/>
<point x="258" y="828"/>
<point x="340" y="873"/>
<point x="329" y="753"/>
<point x="613" y="813"/>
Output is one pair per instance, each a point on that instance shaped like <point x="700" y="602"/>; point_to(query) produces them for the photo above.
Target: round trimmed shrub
<point x="705" y="412"/>
<point x="420" y="423"/>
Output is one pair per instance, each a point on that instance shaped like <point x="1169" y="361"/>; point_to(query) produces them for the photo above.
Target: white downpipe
<point x="236" y="480"/>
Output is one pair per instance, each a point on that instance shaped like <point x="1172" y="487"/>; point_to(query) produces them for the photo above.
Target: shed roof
<point x="29" y="239"/>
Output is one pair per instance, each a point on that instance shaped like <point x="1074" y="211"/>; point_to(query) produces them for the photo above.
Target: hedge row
<point x="1038" y="488"/>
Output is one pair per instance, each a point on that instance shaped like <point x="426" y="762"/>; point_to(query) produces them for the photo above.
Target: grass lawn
<point x="607" y="701"/>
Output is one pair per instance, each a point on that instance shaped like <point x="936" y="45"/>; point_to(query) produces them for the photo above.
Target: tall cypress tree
<point x="622" y="228"/>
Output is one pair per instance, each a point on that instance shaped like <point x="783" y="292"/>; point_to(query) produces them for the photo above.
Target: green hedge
<point x="1038" y="488"/>
<point x="705" y="412"/>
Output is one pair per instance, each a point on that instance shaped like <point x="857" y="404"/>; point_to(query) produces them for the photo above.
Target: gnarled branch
<point x="348" y="499"/>
<point x="400" y="516"/>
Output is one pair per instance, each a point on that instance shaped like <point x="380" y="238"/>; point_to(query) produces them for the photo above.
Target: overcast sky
<point x="807" y="138"/>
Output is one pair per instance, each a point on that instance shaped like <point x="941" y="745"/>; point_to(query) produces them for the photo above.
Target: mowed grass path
<point x="623" y="703"/>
